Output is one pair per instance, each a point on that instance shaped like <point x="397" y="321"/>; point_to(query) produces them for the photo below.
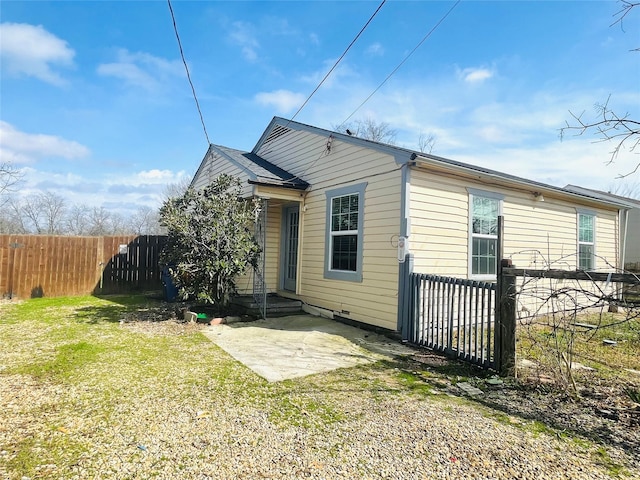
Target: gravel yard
<point x="95" y="388"/>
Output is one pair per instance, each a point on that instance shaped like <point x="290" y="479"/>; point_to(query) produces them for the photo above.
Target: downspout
<point x="302" y="208"/>
<point x="406" y="262"/>
<point x="623" y="254"/>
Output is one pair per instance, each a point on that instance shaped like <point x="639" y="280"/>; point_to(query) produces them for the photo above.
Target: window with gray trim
<point x="586" y="241"/>
<point x="343" y="244"/>
<point x="484" y="209"/>
<point x="344" y="232"/>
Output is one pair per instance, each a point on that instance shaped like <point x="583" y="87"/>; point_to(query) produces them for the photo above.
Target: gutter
<point x="287" y="185"/>
<point x="531" y="185"/>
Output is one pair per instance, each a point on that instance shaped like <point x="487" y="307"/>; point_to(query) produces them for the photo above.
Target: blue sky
<point x="95" y="104"/>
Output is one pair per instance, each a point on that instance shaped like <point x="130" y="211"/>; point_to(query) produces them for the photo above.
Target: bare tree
<point x="369" y="129"/>
<point x="40" y="213"/>
<point x="9" y="178"/>
<point x="9" y="223"/>
<point x="145" y="221"/>
<point x="99" y="221"/>
<point x="54" y="209"/>
<point x="608" y="125"/>
<point x="625" y="189"/>
<point x="77" y="221"/>
<point x="117" y="225"/>
<point x="12" y="217"/>
<point x="30" y="214"/>
<point x="627" y="6"/>
<point x="48" y="213"/>
<point x="426" y="142"/>
<point x="177" y="189"/>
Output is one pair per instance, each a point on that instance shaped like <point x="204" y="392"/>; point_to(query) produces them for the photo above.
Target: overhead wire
<point x="379" y="86"/>
<point x="193" y="90"/>
<point x="401" y="63"/>
<point x="337" y="62"/>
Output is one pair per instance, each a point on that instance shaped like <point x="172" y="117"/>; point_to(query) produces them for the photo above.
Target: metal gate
<point x="259" y="283"/>
<point x="455" y="316"/>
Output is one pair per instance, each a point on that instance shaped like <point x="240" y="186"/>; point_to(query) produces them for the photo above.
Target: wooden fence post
<point x="506" y="324"/>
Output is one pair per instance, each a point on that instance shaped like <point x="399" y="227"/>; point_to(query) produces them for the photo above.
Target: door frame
<point x="286" y="208"/>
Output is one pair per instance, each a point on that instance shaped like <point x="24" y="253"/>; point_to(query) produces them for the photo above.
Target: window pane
<point x="344" y="213"/>
<point x="585" y="257"/>
<point x="585" y="228"/>
<point x="483" y="257"/>
<point x="345" y="252"/>
<point x="344" y="204"/>
<point x="484" y="216"/>
<point x="335" y="205"/>
<point x="353" y="221"/>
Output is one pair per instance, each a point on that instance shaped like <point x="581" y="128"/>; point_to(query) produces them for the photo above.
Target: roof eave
<point x="523" y="182"/>
<point x="287" y="185"/>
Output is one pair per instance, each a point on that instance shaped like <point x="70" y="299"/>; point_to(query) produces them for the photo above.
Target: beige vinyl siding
<point x="307" y="158"/>
<point x="375" y="299"/>
<point x="536" y="234"/>
<point x="632" y="254"/>
<point x="308" y="148"/>
<point x="215" y="166"/>
<point x="632" y="257"/>
<point x="272" y="252"/>
<point x="544" y="234"/>
<point x="607" y="245"/>
<point x="439" y="211"/>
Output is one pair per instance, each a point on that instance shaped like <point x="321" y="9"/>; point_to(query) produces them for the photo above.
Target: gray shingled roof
<point x="600" y="195"/>
<point x="425" y="157"/>
<point x="261" y="171"/>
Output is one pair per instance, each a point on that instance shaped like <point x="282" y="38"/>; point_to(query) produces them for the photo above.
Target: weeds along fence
<point x="41" y="265"/>
<point x="573" y="323"/>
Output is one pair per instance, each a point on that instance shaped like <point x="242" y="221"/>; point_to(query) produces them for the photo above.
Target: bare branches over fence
<point x="571" y="323"/>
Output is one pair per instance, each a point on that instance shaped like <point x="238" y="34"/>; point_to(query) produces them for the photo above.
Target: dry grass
<point x="608" y="343"/>
<point x="117" y="388"/>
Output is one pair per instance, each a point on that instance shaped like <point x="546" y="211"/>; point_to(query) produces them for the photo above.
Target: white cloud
<point x="283" y="101"/>
<point x="154" y="176"/>
<point x="277" y="26"/>
<point x="558" y="163"/>
<point x="141" y="69"/>
<point x="121" y="193"/>
<point x="241" y="36"/>
<point x="342" y="71"/>
<point x="33" y="51"/>
<point x="476" y="75"/>
<point x="22" y="148"/>
<point x="506" y="128"/>
<point x="375" y="49"/>
<point x="314" y="39"/>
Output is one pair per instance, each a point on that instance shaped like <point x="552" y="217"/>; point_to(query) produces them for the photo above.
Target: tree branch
<point x="609" y="126"/>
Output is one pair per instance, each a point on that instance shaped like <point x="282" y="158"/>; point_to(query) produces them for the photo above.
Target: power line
<point x="193" y="90"/>
<point x="338" y="61"/>
<point x="401" y="63"/>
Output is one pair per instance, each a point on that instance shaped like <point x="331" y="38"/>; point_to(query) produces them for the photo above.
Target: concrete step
<point x="276" y="305"/>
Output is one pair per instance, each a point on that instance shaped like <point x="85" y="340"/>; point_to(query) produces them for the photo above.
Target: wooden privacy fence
<point x="41" y="265"/>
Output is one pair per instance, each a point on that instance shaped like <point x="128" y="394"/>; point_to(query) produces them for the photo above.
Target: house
<point x="340" y="212"/>
<point x="629" y="225"/>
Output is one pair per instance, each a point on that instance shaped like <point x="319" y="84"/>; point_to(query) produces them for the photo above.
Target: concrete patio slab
<point x="299" y="345"/>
